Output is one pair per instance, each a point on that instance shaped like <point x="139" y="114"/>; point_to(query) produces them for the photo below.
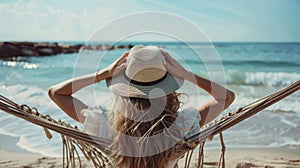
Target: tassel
<point x="47" y="132"/>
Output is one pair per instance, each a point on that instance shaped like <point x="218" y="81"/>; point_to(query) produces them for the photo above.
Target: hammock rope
<point x="93" y="147"/>
<point x="232" y="118"/>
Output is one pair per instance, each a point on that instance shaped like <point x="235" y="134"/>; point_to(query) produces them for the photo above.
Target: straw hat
<point x="145" y="75"/>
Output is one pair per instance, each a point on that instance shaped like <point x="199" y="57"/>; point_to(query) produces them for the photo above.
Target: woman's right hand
<point x="173" y="67"/>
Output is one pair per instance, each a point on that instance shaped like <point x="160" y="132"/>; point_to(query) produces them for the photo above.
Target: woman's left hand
<point x="115" y="68"/>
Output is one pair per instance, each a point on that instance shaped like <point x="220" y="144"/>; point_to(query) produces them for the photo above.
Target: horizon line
<point x="148" y="41"/>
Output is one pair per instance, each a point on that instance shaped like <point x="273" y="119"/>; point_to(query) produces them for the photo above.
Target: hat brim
<point x="121" y="86"/>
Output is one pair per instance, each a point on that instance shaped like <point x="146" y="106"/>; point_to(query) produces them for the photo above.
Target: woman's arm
<point x="61" y="93"/>
<point x="222" y="96"/>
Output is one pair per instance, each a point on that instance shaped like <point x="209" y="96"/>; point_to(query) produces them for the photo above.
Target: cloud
<point x="35" y="20"/>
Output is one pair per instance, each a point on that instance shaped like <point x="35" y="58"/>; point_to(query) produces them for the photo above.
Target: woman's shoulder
<point x="94" y="111"/>
<point x="188" y="120"/>
<point x="95" y="118"/>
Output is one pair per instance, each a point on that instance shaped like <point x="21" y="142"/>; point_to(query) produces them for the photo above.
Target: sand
<point x="13" y="156"/>
<point x="254" y="157"/>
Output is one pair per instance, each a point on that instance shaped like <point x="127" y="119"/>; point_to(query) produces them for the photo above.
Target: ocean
<point x="250" y="70"/>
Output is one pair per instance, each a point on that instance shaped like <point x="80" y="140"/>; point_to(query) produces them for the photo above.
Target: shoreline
<point x="9" y="143"/>
<point x="11" y="155"/>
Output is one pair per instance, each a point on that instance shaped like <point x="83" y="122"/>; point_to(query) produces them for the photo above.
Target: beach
<point x="13" y="156"/>
<point x="251" y="48"/>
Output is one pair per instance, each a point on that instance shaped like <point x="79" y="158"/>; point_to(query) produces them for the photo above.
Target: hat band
<point x="145" y="83"/>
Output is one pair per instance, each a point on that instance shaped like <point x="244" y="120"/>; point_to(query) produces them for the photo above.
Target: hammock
<point x="93" y="147"/>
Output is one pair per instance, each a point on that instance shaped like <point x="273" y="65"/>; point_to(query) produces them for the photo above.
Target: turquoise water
<point x="251" y="70"/>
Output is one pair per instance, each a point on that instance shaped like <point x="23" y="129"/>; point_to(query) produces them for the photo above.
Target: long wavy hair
<point x="141" y="118"/>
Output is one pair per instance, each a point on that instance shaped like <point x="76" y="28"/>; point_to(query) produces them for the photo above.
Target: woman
<point x="144" y="105"/>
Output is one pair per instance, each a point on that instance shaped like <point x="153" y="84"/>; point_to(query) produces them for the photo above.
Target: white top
<point x="96" y="122"/>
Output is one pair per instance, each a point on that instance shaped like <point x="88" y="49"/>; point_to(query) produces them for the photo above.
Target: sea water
<point x="251" y="70"/>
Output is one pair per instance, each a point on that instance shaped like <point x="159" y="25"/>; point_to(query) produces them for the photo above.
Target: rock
<point x="125" y="46"/>
<point x="70" y="49"/>
<point x="9" y="49"/>
<point x="47" y="48"/>
<point x="110" y="47"/>
<point x="96" y="47"/>
<point x="104" y="47"/>
<point x="245" y="165"/>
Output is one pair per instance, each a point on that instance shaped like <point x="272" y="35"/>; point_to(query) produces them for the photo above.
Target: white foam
<point x="262" y="78"/>
<point x="271" y="78"/>
<point x="25" y="65"/>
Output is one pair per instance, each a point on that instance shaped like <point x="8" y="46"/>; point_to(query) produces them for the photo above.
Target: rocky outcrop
<point x="15" y="49"/>
<point x="97" y="47"/>
<point x="11" y="49"/>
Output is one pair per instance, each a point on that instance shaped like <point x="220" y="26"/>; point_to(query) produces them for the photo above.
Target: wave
<point x="262" y="78"/>
<point x="261" y="63"/>
<point x="242" y="63"/>
<point x="31" y="137"/>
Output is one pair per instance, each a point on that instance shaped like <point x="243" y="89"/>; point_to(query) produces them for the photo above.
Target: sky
<point x="219" y="20"/>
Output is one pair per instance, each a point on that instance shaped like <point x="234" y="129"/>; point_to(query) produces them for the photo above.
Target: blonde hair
<point x="122" y="115"/>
